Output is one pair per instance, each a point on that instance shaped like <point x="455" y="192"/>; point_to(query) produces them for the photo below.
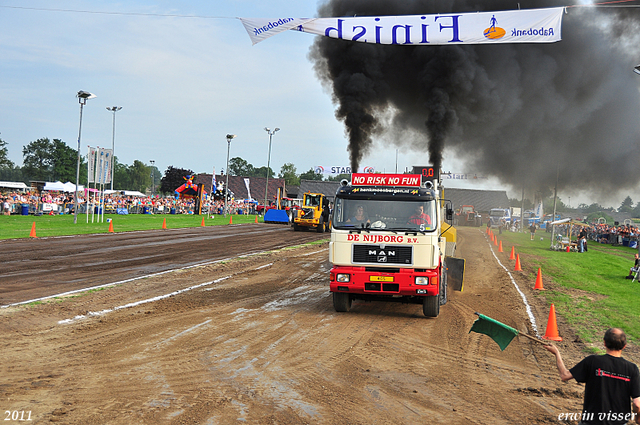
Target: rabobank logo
<point x="494" y="32"/>
<point x="319" y="169"/>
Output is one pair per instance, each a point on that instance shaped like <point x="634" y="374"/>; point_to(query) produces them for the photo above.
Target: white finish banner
<point x="506" y="26"/>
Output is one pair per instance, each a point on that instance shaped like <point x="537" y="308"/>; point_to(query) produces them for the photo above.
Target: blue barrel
<point x="145" y="210"/>
<point x="25" y="209"/>
<point x="173" y="210"/>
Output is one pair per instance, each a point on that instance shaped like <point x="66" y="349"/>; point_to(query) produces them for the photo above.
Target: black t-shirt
<point x="610" y="384"/>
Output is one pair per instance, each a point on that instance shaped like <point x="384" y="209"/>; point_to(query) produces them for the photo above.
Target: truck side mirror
<point x="449" y="211"/>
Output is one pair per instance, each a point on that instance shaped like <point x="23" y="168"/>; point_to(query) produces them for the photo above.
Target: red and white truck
<point x="390" y="242"/>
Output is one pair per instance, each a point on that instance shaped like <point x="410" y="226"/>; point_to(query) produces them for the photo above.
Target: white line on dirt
<point x="315" y="252"/>
<point x="183" y="333"/>
<point x="137" y="303"/>
<point x="532" y="319"/>
<point x="112" y="283"/>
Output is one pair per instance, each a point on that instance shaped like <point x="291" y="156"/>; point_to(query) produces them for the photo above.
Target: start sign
<point x="396" y="180"/>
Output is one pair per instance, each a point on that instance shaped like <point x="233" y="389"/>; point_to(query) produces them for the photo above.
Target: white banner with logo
<point x="108" y="157"/>
<point x="246" y="183"/>
<point x="99" y="165"/>
<point x="322" y="169"/>
<point x="463" y="176"/>
<point x="103" y="167"/>
<point x="91" y="164"/>
<point x="506" y="26"/>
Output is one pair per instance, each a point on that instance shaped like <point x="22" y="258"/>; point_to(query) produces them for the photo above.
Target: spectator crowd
<point x="63" y="203"/>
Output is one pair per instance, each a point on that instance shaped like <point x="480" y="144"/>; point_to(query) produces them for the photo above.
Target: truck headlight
<point x="343" y="277"/>
<point x="422" y="280"/>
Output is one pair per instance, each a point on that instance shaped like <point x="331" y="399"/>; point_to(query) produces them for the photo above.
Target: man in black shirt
<point x="610" y="382"/>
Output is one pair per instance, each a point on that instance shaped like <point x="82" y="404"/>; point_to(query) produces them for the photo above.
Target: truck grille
<point x="307" y="213"/>
<point x="390" y="254"/>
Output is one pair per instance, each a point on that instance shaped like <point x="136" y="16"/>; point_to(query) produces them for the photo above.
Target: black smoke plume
<point x="515" y="111"/>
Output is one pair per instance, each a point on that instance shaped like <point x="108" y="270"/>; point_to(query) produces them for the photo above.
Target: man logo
<point x="382" y="256"/>
<point x="494" y="32"/>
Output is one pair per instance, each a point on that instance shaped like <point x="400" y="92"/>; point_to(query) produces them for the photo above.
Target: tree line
<point x="48" y="160"/>
<point x="51" y="160"/>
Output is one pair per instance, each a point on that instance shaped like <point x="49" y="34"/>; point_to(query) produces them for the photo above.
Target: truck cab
<point x="387" y="243"/>
<point x="499" y="217"/>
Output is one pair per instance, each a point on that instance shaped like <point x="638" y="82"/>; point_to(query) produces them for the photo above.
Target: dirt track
<point x="256" y="340"/>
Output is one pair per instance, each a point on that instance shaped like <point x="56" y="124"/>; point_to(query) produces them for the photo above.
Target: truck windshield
<point x="497" y="213"/>
<point x="312" y="200"/>
<point x="385" y="215"/>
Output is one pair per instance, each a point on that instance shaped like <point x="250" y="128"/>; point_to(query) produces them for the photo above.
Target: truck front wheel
<point x="430" y="305"/>
<point x="341" y="302"/>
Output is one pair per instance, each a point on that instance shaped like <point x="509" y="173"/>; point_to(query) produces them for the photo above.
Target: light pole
<point x="153" y="178"/>
<point x="113" y="109"/>
<point x="82" y="98"/>
<point x="271" y="133"/>
<point x="226" y="188"/>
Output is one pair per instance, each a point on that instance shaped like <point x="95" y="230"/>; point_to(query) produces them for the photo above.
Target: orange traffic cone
<point x="500" y="247"/>
<point x="513" y="253"/>
<point x="495" y="241"/>
<point x="111" y="227"/>
<point x="539" y="281"/>
<point x="230" y="219"/>
<point x="518" y="267"/>
<point x="202" y="224"/>
<point x="164" y="223"/>
<point x="256" y="219"/>
<point x="552" y="326"/>
<point x="33" y="230"/>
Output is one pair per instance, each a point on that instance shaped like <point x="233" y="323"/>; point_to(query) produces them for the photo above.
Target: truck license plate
<point x="381" y="278"/>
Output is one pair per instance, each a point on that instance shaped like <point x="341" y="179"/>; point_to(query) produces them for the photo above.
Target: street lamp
<point x="82" y="98"/>
<point x="226" y="188"/>
<point x="271" y="133"/>
<point x="113" y="109"/>
<point x="153" y="178"/>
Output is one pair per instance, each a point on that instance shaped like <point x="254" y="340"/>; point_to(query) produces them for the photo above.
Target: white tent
<point x="56" y="186"/>
<point x="14" y="185"/>
<point x="71" y="187"/>
<point x="125" y="192"/>
<point x="62" y="187"/>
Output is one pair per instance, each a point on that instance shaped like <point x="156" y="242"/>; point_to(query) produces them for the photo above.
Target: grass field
<point x="19" y="226"/>
<point x="588" y="289"/>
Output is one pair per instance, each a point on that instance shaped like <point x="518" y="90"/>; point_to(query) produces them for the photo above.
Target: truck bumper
<point x="396" y="282"/>
<point x="306" y="223"/>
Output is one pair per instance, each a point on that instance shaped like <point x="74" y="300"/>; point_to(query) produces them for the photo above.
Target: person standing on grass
<point x="532" y="229"/>
<point x="610" y="382"/>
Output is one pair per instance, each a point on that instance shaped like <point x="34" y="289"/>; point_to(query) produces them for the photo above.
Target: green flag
<point x="499" y="332"/>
